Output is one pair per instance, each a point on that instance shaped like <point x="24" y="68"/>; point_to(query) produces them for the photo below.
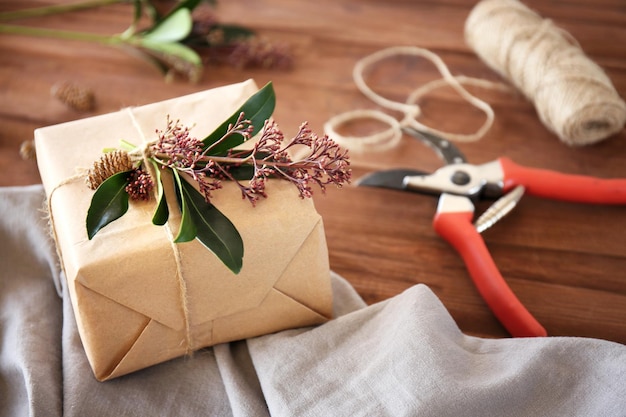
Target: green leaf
<point x="109" y="203"/>
<point x="154" y="54"/>
<point x="146" y="56"/>
<point x="138" y="10"/>
<point x="127" y="146"/>
<point x="162" y="213"/>
<point x="150" y="10"/>
<point x="258" y="108"/>
<point x="214" y="230"/>
<point x="174" y="27"/>
<point x="242" y="172"/>
<point x="189" y="4"/>
<point x="174" y="49"/>
<point x="234" y="33"/>
<point x="187" y="231"/>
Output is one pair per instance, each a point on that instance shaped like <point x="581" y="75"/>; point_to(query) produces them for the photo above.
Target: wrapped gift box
<point x="135" y="304"/>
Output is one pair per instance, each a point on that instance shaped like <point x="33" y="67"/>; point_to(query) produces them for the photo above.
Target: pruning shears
<point x="460" y="185"/>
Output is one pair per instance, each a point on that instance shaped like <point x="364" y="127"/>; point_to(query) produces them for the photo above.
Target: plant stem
<point x="235" y="161"/>
<point x="240" y="161"/>
<point x="49" y="10"/>
<point x="61" y="34"/>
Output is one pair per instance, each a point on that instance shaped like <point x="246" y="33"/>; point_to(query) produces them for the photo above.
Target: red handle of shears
<point x="458" y="230"/>
<point x="564" y="187"/>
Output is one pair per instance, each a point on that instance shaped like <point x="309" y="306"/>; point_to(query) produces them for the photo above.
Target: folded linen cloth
<point x="401" y="357"/>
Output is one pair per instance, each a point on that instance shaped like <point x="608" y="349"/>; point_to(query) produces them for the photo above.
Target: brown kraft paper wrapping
<point x="126" y="286"/>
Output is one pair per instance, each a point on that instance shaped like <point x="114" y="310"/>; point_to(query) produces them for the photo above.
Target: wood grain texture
<point x="566" y="262"/>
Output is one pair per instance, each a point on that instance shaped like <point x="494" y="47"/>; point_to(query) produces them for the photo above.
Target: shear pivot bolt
<point x="460" y="178"/>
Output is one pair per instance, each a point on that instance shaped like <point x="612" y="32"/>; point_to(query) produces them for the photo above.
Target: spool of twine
<point x="573" y="96"/>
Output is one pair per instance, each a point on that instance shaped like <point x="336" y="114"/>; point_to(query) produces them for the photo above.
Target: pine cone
<point x="109" y="164"/>
<point x="27" y="150"/>
<point x="74" y="96"/>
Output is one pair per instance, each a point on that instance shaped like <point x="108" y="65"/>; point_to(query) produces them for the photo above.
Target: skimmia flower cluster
<point x="199" y="167"/>
<point x="140" y="185"/>
<point x="324" y="162"/>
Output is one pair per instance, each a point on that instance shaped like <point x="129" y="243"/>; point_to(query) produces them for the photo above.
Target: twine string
<point x="141" y="153"/>
<point x="410" y="110"/>
<point x="145" y="153"/>
<point x="49" y="214"/>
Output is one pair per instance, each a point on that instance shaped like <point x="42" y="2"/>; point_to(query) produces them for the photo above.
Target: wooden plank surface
<point x="566" y="262"/>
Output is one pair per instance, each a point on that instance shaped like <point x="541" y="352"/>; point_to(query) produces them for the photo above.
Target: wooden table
<point x="566" y="262"/>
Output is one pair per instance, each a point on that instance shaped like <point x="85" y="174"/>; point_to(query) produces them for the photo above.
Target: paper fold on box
<point x="127" y="287"/>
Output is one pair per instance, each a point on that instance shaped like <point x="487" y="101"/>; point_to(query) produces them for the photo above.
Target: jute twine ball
<point x="573" y="96"/>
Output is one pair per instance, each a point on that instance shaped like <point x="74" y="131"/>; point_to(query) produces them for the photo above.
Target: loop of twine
<point x="182" y="284"/>
<point x="380" y="141"/>
<point x="410" y="109"/>
<point x="573" y="96"/>
<point x="80" y="174"/>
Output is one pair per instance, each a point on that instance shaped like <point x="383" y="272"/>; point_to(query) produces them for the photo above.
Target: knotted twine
<point x="573" y="96"/>
<point x="141" y="153"/>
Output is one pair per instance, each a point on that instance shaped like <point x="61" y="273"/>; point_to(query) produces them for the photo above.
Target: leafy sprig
<point x="210" y="161"/>
<point x="175" y="42"/>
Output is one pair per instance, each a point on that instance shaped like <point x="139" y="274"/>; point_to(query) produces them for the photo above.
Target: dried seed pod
<point x="109" y="164"/>
<point x="27" y="150"/>
<point x="74" y="96"/>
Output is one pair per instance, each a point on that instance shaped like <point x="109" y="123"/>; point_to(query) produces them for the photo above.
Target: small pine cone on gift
<point x="74" y="96"/>
<point x="109" y="164"/>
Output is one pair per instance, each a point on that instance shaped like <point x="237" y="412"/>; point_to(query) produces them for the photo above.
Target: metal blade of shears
<point x="445" y="149"/>
<point x="393" y="179"/>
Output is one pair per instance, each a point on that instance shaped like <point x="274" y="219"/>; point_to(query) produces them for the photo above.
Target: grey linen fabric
<point x="401" y="357"/>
